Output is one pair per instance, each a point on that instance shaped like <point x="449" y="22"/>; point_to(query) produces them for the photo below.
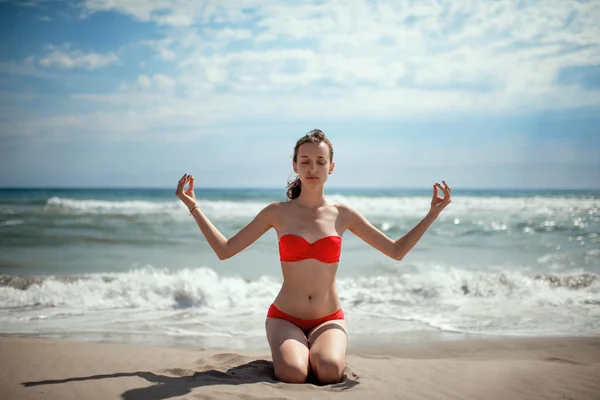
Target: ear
<point x="331" y="167"/>
<point x="295" y="167"/>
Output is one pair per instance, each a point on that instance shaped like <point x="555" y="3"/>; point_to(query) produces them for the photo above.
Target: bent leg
<point x="328" y="342"/>
<point x="289" y="349"/>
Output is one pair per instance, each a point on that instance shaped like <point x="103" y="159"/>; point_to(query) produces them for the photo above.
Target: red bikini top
<point x="295" y="248"/>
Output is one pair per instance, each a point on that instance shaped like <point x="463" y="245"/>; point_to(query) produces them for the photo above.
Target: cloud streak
<point x="250" y="60"/>
<point x="65" y="59"/>
<point x="426" y="57"/>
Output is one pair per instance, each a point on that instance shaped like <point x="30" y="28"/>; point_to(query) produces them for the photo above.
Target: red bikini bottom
<point x="304" y="324"/>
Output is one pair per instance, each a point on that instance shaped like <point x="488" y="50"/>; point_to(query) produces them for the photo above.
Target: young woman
<point x="305" y="325"/>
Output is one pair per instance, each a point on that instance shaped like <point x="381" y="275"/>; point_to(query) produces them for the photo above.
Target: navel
<point x="309" y="297"/>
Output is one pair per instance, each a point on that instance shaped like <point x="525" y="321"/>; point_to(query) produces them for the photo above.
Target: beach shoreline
<point x="498" y="368"/>
<point x="356" y="341"/>
<point x="248" y="343"/>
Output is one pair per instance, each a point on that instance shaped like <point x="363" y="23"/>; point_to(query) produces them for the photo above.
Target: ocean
<point x="130" y="265"/>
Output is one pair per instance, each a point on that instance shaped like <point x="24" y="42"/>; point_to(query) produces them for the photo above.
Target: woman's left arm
<point x="397" y="249"/>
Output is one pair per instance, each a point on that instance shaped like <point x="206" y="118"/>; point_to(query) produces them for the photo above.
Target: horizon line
<point x="284" y="188"/>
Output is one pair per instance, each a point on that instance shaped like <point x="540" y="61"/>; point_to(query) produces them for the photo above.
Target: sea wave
<point x="386" y="207"/>
<point x="199" y="302"/>
<point x="158" y="289"/>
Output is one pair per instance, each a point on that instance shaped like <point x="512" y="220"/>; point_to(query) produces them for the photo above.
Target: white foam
<point x="109" y="207"/>
<point x="384" y="207"/>
<point x="146" y="288"/>
<point x="220" y="208"/>
<point x="200" y="302"/>
<point x="467" y="205"/>
<point x="12" y="222"/>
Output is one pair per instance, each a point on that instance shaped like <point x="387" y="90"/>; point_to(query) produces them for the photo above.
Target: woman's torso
<point x="309" y="286"/>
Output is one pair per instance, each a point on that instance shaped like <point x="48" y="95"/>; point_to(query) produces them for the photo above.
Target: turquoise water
<point x="101" y="262"/>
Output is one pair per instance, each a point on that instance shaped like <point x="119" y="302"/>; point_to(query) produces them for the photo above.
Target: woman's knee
<point x="289" y="349"/>
<point x="291" y="371"/>
<point x="328" y="369"/>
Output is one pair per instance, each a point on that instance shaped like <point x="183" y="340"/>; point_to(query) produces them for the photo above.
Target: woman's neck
<point x="314" y="198"/>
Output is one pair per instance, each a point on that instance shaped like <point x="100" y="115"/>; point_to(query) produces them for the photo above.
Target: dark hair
<point x="315" y="136"/>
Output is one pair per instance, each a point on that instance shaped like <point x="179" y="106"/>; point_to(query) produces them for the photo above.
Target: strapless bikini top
<point x="295" y="248"/>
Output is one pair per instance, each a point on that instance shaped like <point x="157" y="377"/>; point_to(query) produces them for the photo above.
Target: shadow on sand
<point x="166" y="386"/>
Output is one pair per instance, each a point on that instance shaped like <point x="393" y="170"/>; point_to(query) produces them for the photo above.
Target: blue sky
<point x="136" y="93"/>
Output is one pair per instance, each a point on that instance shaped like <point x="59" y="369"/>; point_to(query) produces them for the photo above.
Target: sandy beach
<point x="552" y="368"/>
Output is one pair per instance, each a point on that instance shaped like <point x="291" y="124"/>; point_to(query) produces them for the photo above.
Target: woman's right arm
<point x="225" y="248"/>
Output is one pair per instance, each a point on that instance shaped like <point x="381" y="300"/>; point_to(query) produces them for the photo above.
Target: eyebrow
<point x="309" y="157"/>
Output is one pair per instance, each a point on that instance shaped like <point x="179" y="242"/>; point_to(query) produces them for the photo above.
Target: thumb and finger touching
<point x="181" y="191"/>
<point x="445" y="192"/>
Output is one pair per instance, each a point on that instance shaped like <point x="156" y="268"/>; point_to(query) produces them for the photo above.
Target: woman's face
<point x="312" y="163"/>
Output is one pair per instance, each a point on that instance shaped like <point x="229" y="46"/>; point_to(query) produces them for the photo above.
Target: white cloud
<point x="448" y="43"/>
<point x="162" y="47"/>
<point x="143" y="81"/>
<point x="26" y="68"/>
<point x="67" y="59"/>
<point x="163" y="82"/>
<point x="176" y="13"/>
<point x="160" y="82"/>
<point x="245" y="59"/>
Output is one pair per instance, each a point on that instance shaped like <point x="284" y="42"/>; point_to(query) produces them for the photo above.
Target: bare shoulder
<point x="345" y="209"/>
<point x="346" y="213"/>
<point x="274" y="210"/>
<point x="273" y="207"/>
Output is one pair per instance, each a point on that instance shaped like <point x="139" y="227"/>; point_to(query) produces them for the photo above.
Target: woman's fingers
<point x="446" y="191"/>
<point x="441" y="188"/>
<point x="446" y="186"/>
<point x="438" y="202"/>
<point x="181" y="184"/>
<point x="191" y="187"/>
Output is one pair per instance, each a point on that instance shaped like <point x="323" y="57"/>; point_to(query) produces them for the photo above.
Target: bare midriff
<point x="309" y="290"/>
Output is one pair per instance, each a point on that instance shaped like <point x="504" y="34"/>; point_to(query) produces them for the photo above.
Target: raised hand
<point x="186" y="195"/>
<point x="439" y="203"/>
